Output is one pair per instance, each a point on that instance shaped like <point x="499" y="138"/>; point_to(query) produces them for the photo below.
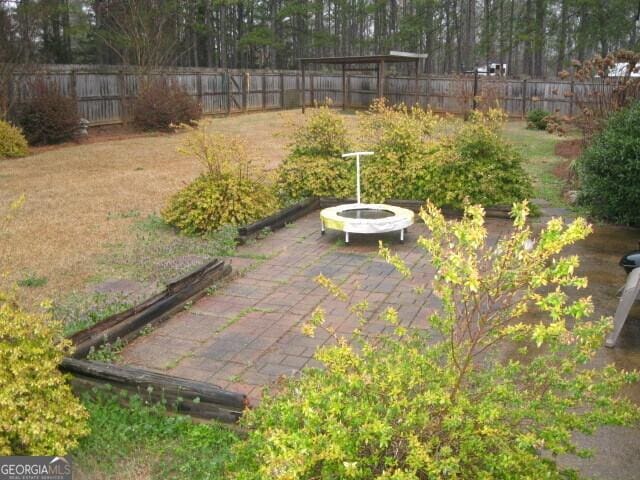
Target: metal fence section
<point x="104" y="95"/>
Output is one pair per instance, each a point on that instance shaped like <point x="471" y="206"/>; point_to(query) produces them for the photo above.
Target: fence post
<point x="123" y="97"/>
<point x="227" y="81"/>
<point x="475" y="88"/>
<point x="199" y="88"/>
<point x="524" y="98"/>
<point x="572" y="90"/>
<point x="312" y="90"/>
<point x="282" y="102"/>
<point x="10" y="95"/>
<point x="245" y="92"/>
<point x="264" y="91"/>
<point x="73" y="81"/>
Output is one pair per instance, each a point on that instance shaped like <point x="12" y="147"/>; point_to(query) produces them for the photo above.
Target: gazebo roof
<point x="392" y="57"/>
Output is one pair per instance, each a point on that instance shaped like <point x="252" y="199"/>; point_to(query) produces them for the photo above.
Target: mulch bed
<point x="569" y="150"/>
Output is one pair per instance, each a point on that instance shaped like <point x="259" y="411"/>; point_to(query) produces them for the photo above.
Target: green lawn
<point x="144" y="442"/>
<point x="538" y="149"/>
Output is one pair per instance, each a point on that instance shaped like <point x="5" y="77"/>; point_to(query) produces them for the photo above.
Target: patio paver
<point x="247" y="334"/>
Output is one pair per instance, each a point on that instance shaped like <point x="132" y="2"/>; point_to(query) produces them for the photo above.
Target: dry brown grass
<point x="77" y="197"/>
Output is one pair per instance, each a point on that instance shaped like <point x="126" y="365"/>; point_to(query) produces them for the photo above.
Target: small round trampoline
<point x="367" y="218"/>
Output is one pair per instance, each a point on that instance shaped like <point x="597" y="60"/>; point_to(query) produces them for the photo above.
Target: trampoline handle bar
<point x="356" y="154"/>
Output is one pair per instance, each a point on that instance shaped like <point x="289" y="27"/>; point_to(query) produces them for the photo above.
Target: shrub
<point x="161" y="106"/>
<point x="38" y="413"/>
<point x="480" y="397"/>
<point x="609" y="169"/>
<point x="314" y="167"/>
<point x="324" y="134"/>
<point x="398" y="136"/>
<point x="12" y="141"/>
<point x="48" y="116"/>
<point x="230" y="192"/>
<point x="396" y="129"/>
<point x="475" y="164"/>
<point x="305" y="176"/>
<point x="537" y="119"/>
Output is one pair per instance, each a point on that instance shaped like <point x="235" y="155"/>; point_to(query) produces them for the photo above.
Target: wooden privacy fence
<point x="104" y="94"/>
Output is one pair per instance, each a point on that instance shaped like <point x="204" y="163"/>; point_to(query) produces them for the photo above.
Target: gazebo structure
<point x="376" y="63"/>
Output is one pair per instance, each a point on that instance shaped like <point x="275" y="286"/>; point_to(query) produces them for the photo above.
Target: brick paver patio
<point x="247" y="333"/>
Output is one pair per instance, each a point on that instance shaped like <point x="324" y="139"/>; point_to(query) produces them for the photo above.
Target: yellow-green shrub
<point x="323" y="134"/>
<point x="476" y="163"/>
<point x="473" y="162"/>
<point x="39" y="414"/>
<point x="230" y="192"/>
<point x="314" y="168"/>
<point x="12" y="141"/>
<point x="304" y="176"/>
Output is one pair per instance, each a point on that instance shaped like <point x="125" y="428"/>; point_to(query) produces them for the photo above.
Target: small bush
<point x="48" y="117"/>
<point x="230" y="192"/>
<point x="609" y="169"/>
<point x="314" y="168"/>
<point x="39" y="414"/>
<point x="478" y="165"/>
<point x="12" y="141"/>
<point x="537" y="119"/>
<point x="305" y="176"/>
<point x="480" y="395"/>
<point x="161" y="106"/>
<point x="323" y="134"/>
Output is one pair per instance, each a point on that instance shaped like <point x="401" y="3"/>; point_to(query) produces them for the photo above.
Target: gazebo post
<point x="344" y="87"/>
<point x="303" y="93"/>
<point x="381" y="79"/>
<point x="417" y="96"/>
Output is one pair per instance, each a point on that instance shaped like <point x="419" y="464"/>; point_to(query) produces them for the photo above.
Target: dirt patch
<point x="564" y="171"/>
<point x="570" y="149"/>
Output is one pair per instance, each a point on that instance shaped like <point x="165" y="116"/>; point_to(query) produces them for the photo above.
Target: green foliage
<point x="32" y="281"/>
<point x="398" y="135"/>
<point x="231" y="192"/>
<point x="314" y="167"/>
<point x="475" y="162"/>
<point x="304" y="176"/>
<point x="38" y="413"/>
<point x="324" y="134"/>
<point x="12" y="141"/>
<point x="168" y="446"/>
<point x="503" y="373"/>
<point x="47" y="116"/>
<point x="107" y="352"/>
<point x="537" y="119"/>
<point x="81" y="310"/>
<point x="163" y="106"/>
<point x="609" y="169"/>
